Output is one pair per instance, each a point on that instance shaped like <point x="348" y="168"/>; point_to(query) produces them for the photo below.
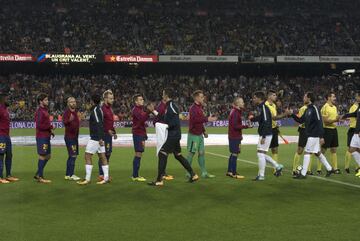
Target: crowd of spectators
<point x="209" y="27"/>
<point x="219" y="91"/>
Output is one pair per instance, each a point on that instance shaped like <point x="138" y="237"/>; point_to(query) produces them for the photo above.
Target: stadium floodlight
<point x="348" y="71"/>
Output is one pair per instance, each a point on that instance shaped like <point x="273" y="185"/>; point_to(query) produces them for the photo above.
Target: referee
<point x="301" y="144"/>
<point x="270" y="103"/>
<point x="352" y="115"/>
<point x="172" y="144"/>
<point x="330" y="117"/>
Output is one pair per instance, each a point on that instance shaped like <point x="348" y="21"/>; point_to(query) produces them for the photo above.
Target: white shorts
<point x="93" y="147"/>
<point x="355" y="141"/>
<point x="266" y="145"/>
<point x="313" y="145"/>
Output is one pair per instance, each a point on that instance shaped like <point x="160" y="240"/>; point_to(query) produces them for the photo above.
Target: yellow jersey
<point x="301" y="112"/>
<point x="329" y="112"/>
<point x="273" y="111"/>
<point x="352" y="109"/>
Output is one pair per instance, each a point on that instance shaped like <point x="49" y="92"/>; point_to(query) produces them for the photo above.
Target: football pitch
<point x="221" y="209"/>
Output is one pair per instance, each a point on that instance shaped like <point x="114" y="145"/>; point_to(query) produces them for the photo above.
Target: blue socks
<point x="136" y="166"/>
<point x="1" y="165"/>
<point x="70" y="166"/>
<point x="41" y="165"/>
<point x="8" y="162"/>
<point x="232" y="164"/>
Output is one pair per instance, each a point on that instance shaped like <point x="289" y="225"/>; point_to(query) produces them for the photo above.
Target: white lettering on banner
<point x="264" y="59"/>
<point x="340" y="59"/>
<point x="75" y="58"/>
<point x="298" y="59"/>
<point x="318" y="59"/>
<point x="199" y="58"/>
<point x="16" y="58"/>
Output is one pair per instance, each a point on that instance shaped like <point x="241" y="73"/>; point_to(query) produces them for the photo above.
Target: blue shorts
<point x="5" y="145"/>
<point x="72" y="146"/>
<point x="234" y="145"/>
<point x="43" y="146"/>
<point x="108" y="143"/>
<point x="139" y="143"/>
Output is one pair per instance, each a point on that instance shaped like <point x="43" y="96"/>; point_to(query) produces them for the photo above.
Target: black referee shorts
<point x="331" y="138"/>
<point x="302" y="137"/>
<point x="275" y="138"/>
<point x="171" y="145"/>
<point x="350" y="134"/>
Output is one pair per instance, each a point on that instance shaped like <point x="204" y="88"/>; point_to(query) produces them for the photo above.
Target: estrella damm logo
<point x="45" y="147"/>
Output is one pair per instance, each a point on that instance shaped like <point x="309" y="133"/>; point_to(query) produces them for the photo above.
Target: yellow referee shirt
<point x="301" y="112"/>
<point x="273" y="111"/>
<point x="352" y="109"/>
<point x="329" y="112"/>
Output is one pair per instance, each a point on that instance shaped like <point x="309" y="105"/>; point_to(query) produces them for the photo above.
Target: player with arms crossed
<point x="72" y="124"/>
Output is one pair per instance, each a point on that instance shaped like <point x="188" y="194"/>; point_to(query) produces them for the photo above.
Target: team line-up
<point x="317" y="133"/>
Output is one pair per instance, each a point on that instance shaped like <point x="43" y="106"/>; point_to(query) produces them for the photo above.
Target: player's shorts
<point x="275" y="138"/>
<point x="331" y="138"/>
<point x="72" y="146"/>
<point x="93" y="147"/>
<point x="139" y="143"/>
<point x="266" y="145"/>
<point x="350" y="134"/>
<point x="355" y="141"/>
<point x="43" y="146"/>
<point x="172" y="145"/>
<point x="5" y="145"/>
<point x="108" y="143"/>
<point x="195" y="143"/>
<point x="302" y="137"/>
<point x="234" y="146"/>
<point x="312" y="145"/>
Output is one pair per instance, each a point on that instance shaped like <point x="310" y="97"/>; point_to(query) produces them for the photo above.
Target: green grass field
<point x="220" y="209"/>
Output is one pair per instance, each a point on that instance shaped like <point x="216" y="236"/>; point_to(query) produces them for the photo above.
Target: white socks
<point x="306" y="163"/>
<point x="262" y="164"/>
<point x="356" y="156"/>
<point x="323" y="160"/>
<point x="271" y="161"/>
<point x="88" y="169"/>
<point x="105" y="169"/>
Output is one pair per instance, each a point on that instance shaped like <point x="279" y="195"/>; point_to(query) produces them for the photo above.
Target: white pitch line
<point x="320" y="178"/>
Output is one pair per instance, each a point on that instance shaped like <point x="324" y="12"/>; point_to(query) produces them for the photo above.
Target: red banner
<point x="16" y="58"/>
<point x="131" y="58"/>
